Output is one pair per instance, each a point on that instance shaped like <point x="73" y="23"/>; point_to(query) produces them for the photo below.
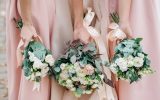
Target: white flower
<point x="130" y="63"/>
<point x="82" y="81"/>
<point x="49" y="59"/>
<point x="95" y="86"/>
<point x="138" y="62"/>
<point x="141" y="55"/>
<point x="32" y="77"/>
<point x="64" y="75"/>
<point x="88" y="91"/>
<point x="44" y="71"/>
<point x="73" y="89"/>
<point x="113" y="68"/>
<point x="74" y="78"/>
<point x="38" y="74"/>
<point x="88" y="69"/>
<point x="62" y="66"/>
<point x="37" y="64"/>
<point x="122" y="63"/>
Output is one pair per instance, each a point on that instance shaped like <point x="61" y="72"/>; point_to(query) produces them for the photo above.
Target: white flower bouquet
<point x="37" y="60"/>
<point x="36" y="63"/>
<point x="78" y="70"/>
<point x="129" y="62"/>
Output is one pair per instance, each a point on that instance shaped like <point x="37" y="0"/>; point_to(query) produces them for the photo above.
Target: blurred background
<point x="3" y="72"/>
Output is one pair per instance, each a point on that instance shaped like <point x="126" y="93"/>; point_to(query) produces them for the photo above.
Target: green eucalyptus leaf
<point x="57" y="69"/>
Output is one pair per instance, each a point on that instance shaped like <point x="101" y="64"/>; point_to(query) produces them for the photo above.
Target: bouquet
<point x="37" y="60"/>
<point x="129" y="61"/>
<point x="78" y="69"/>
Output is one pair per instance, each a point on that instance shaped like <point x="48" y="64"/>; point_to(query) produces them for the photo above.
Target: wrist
<point x="78" y="24"/>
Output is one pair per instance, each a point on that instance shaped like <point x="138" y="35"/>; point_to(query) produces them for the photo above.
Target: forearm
<point x="124" y="10"/>
<point x="78" y="12"/>
<point x="25" y="6"/>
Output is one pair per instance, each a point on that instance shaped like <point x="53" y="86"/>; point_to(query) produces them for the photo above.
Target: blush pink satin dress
<point x="43" y="14"/>
<point x="145" y="23"/>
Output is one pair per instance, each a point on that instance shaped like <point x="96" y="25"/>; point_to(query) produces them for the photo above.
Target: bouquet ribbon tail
<point x="102" y="50"/>
<point x="19" y="53"/>
<point x="36" y="86"/>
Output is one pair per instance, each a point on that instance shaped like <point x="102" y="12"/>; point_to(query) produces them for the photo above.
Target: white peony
<point x="138" y="62"/>
<point x="49" y="59"/>
<point x="122" y="63"/>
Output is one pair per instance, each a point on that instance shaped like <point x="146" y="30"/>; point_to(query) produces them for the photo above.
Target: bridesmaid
<point x="38" y="17"/>
<point x="145" y="23"/>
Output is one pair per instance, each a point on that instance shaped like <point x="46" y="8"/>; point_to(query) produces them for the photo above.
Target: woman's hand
<point x="82" y="34"/>
<point x="126" y="28"/>
<point x="27" y="33"/>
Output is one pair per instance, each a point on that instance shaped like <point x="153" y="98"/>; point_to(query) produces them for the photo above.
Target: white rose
<point x="141" y="55"/>
<point x="95" y="86"/>
<point x="88" y="91"/>
<point x="62" y="66"/>
<point x="38" y="74"/>
<point x="44" y="65"/>
<point x="124" y="68"/>
<point x="130" y="63"/>
<point x="49" y="59"/>
<point x="64" y="75"/>
<point x="31" y="56"/>
<point x="119" y="61"/>
<point x="113" y="68"/>
<point x="37" y="64"/>
<point x="73" y="89"/>
<point x="138" y="62"/>
<point x="122" y="63"/>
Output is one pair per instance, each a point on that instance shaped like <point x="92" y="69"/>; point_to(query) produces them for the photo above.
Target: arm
<point x="25" y="6"/>
<point x="27" y="31"/>
<point x="124" y="12"/>
<point x="78" y="12"/>
<point x="79" y="30"/>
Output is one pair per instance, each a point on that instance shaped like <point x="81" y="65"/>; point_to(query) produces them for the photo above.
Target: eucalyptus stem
<point x="115" y="17"/>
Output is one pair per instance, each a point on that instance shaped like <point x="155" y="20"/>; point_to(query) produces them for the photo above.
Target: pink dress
<point x="145" y="23"/>
<point x="43" y="13"/>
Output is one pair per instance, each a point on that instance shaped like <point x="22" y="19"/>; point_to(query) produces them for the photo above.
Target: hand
<point x="82" y="34"/>
<point x="27" y="33"/>
<point x="125" y="26"/>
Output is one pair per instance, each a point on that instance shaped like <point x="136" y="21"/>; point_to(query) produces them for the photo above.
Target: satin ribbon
<point x="105" y="92"/>
<point x="115" y="33"/>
